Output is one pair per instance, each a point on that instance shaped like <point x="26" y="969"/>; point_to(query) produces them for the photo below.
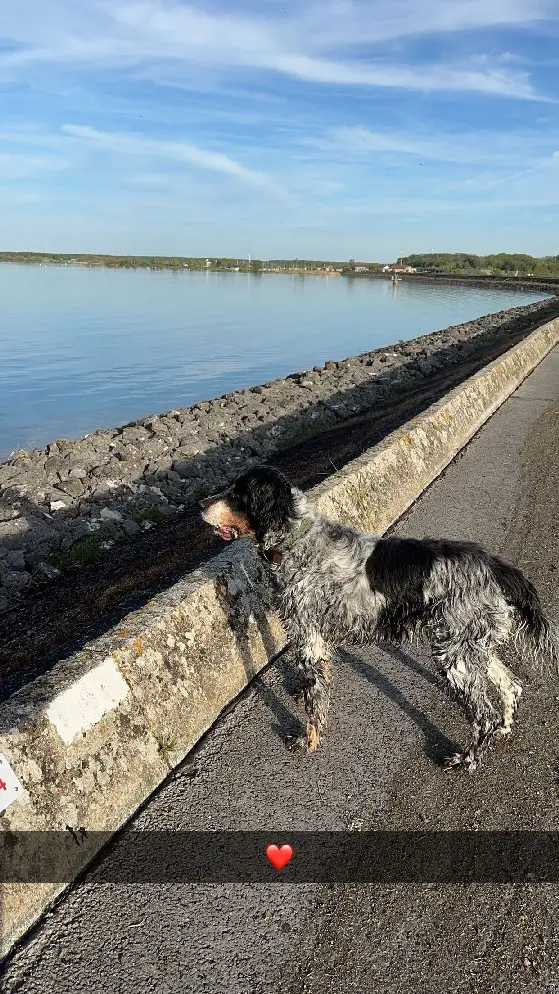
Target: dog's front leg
<point x="313" y="658"/>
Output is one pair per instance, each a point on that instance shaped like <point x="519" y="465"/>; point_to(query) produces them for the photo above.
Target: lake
<point x="87" y="348"/>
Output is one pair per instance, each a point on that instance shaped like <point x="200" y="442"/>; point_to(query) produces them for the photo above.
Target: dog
<point x="336" y="585"/>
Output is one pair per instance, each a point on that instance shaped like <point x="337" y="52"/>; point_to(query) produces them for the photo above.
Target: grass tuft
<point x="166" y="748"/>
<point x="86" y="550"/>
<point x="151" y="512"/>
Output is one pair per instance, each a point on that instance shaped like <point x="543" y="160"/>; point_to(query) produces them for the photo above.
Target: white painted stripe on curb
<point x="84" y="704"/>
<point x="10" y="787"/>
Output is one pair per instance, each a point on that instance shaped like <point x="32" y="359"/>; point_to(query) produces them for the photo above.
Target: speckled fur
<point x="337" y="586"/>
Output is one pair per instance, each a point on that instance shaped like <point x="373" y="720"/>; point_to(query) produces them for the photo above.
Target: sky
<point x="334" y="130"/>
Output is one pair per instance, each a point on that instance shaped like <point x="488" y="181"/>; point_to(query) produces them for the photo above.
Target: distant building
<point x="361" y="269"/>
<point x="398" y="267"/>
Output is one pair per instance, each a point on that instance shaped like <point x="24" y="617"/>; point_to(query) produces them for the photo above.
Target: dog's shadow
<point x="436" y="746"/>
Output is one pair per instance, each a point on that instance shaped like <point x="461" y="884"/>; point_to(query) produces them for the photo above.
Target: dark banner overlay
<point x="135" y="857"/>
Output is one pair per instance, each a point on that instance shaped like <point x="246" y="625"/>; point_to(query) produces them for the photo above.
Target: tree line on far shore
<point x="503" y="263"/>
<point x="456" y="263"/>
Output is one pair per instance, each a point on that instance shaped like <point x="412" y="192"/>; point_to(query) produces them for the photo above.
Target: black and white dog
<point x="337" y="586"/>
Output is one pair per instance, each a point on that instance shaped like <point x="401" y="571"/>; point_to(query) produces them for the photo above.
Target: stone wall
<point x="61" y="504"/>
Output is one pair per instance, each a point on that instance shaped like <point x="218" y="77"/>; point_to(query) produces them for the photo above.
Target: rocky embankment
<point x="539" y="285"/>
<point x="60" y="506"/>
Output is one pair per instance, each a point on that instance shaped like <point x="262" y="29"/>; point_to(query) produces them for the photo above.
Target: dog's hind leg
<point x="509" y="689"/>
<point x="313" y="657"/>
<point x="465" y="673"/>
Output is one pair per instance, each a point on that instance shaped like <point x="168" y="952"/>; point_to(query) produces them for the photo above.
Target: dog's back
<point x="459" y="582"/>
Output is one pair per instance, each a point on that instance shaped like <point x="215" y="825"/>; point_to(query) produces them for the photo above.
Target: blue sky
<point x="293" y="128"/>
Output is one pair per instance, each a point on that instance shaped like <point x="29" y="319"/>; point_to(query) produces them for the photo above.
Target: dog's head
<point x="259" y="504"/>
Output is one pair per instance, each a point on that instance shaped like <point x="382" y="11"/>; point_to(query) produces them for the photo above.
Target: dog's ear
<point x="269" y="501"/>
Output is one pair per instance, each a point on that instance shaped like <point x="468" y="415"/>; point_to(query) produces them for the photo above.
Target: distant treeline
<point x="167" y="262"/>
<point x="124" y="261"/>
<point x="186" y="262"/>
<point x="459" y="263"/>
<point x="503" y="263"/>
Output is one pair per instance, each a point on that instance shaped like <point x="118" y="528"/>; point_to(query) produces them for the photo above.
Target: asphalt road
<point x="378" y="767"/>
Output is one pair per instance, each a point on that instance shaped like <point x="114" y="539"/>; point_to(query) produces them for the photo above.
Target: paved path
<point x="388" y="726"/>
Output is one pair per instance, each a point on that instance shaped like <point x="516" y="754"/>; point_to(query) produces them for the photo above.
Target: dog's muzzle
<point x="228" y="533"/>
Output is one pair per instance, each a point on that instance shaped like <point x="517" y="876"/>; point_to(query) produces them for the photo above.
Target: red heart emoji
<point x="279" y="856"/>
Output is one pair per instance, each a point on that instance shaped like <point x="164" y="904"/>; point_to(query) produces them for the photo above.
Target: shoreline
<point x="522" y="283"/>
<point x="525" y="284"/>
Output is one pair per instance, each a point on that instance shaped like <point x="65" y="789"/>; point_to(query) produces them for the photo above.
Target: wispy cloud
<point x="179" y="152"/>
<point x="321" y="44"/>
<point x="348" y="22"/>
<point x="436" y="77"/>
<point x="492" y="148"/>
<point x="17" y="166"/>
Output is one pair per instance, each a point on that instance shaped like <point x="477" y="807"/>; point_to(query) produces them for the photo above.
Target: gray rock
<point x="58" y="505"/>
<point x="108" y="514"/>
<point x="37" y="554"/>
<point x="45" y="571"/>
<point x="54" y="464"/>
<point x="74" y="488"/>
<point x="131" y="527"/>
<point x="13" y="533"/>
<point x="16" y="579"/>
<point x="15" y="559"/>
<point x="8" y="512"/>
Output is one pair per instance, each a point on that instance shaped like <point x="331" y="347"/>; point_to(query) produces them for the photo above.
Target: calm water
<point x="87" y="348"/>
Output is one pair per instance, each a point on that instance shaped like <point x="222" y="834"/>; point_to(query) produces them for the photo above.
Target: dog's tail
<point x="535" y="629"/>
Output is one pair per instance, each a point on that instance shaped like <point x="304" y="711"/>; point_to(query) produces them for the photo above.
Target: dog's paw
<point x="503" y="731"/>
<point x="466" y="760"/>
<point x="296" y="743"/>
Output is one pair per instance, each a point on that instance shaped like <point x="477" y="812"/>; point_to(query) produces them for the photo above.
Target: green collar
<point x="296" y="536"/>
<point x="274" y="556"/>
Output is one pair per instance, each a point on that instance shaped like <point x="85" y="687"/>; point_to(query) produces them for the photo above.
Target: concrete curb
<point x="86" y="744"/>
